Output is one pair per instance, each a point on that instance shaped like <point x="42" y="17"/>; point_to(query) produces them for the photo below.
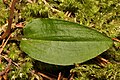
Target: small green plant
<point x="21" y="58"/>
<point x="62" y="43"/>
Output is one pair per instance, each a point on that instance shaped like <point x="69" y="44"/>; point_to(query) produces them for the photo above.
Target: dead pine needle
<point x="45" y="76"/>
<point x="7" y="68"/>
<point x="4" y="44"/>
<point x="53" y="9"/>
<point x="59" y="76"/>
<point x="115" y="39"/>
<point x="101" y="61"/>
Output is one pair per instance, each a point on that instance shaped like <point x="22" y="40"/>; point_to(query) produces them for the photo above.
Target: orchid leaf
<point x="61" y="42"/>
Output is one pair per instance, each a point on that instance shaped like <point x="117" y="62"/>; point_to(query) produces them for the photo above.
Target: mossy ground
<point x="101" y="15"/>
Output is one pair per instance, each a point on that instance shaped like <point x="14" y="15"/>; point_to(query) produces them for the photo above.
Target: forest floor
<point x="101" y="15"/>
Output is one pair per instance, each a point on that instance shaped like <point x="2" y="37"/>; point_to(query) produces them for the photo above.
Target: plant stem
<point x="9" y="20"/>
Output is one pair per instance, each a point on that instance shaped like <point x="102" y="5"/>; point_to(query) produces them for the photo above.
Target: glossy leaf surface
<point x="61" y="42"/>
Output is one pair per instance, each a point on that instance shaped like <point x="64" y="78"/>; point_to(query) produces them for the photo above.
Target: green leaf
<point x="61" y="42"/>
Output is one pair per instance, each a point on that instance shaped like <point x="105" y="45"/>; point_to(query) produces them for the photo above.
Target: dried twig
<point x="7" y="33"/>
<point x="9" y="20"/>
<point x="115" y="39"/>
<point x="102" y="61"/>
<point x="7" y="68"/>
<point x="35" y="75"/>
<point x="45" y="76"/>
<point x="1" y="49"/>
<point x="12" y="61"/>
<point x="2" y="43"/>
<point x="53" y="9"/>
<point x="59" y="76"/>
<point x="68" y="14"/>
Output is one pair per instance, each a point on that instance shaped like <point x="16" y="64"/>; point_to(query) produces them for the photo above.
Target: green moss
<point x="93" y="72"/>
<point x="101" y="15"/>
